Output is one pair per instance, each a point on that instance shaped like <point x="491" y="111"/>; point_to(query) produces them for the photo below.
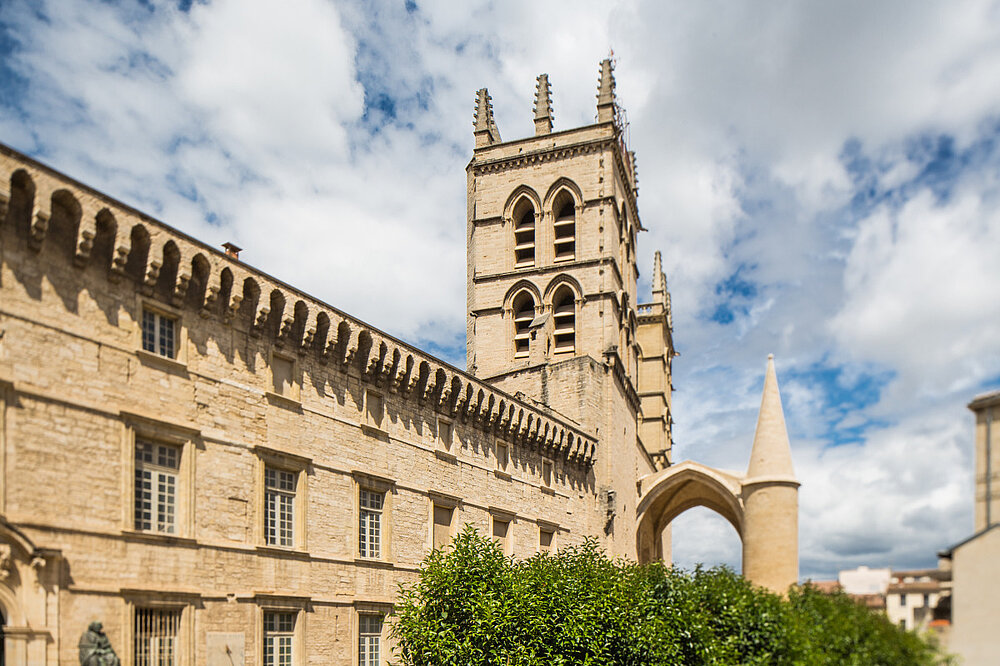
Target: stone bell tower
<point x="552" y="221"/>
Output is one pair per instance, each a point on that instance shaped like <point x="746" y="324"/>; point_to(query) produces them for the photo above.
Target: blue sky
<point x="822" y="178"/>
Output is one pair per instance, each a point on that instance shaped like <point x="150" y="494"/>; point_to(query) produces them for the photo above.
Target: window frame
<point x="444" y="442"/>
<point x="444" y="501"/>
<point x="158" y="473"/>
<point x="571" y="317"/>
<point x="367" y="420"/>
<point x="285" y="462"/>
<point x="361" y="608"/>
<point x="298" y="606"/>
<point x="546" y="527"/>
<point x="294" y="391"/>
<point x="187" y="440"/>
<point x="372" y="483"/>
<point x="362" y="615"/>
<point x="180" y="357"/>
<point x="508" y="517"/>
<point x="182" y="603"/>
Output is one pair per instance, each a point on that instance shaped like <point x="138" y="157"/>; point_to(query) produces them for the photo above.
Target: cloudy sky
<point x="823" y="179"/>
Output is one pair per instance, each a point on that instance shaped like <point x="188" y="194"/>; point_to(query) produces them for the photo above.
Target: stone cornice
<point x="249" y="300"/>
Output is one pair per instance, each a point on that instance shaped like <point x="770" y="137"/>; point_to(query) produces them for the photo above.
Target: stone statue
<point x="95" y="647"/>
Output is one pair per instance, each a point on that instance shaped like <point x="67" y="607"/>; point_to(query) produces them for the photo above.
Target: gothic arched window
<point x="564" y="320"/>
<point x="524" y="234"/>
<point x="524" y="313"/>
<point x="564" y="210"/>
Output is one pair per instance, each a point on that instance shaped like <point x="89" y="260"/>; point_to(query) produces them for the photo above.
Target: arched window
<point x="524" y="233"/>
<point x="564" y="209"/>
<point x="524" y="313"/>
<point x="564" y="320"/>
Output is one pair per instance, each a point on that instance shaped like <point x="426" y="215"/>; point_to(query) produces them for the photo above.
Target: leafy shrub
<point x="474" y="606"/>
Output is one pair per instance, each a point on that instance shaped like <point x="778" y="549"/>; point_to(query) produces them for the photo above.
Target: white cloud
<point x="236" y="122"/>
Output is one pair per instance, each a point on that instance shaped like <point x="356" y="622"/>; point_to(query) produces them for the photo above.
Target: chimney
<point x="232" y="250"/>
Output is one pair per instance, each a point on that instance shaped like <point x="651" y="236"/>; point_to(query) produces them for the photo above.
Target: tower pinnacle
<point x="606" y="93"/>
<point x="543" y="106"/>
<point x="486" y="130"/>
<point x="771" y="455"/>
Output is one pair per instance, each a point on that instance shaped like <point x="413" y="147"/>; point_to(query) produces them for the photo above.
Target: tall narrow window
<point x="565" y="227"/>
<point x="279" y="507"/>
<point x="524" y="313"/>
<point x="370" y="532"/>
<point x="501" y="534"/>
<point x="524" y="234"/>
<point x="564" y="320"/>
<point x="159" y="334"/>
<point x="156" y="467"/>
<point x="279" y="634"/>
<point x="156" y="632"/>
<point x="442" y="525"/>
<point x="546" y="539"/>
<point x="369" y="640"/>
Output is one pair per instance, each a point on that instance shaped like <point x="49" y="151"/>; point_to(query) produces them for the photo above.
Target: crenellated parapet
<point x="37" y="203"/>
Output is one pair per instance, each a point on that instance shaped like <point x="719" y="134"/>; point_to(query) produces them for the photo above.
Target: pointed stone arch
<point x="519" y="192"/>
<point x="562" y="184"/>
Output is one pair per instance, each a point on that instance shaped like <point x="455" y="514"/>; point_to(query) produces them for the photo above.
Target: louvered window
<point x="524" y="314"/>
<point x="524" y="237"/>
<point x="565" y="228"/>
<point x="564" y="320"/>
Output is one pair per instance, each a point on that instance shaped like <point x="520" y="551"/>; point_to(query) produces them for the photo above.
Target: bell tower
<point x="552" y="221"/>
<point x="552" y="224"/>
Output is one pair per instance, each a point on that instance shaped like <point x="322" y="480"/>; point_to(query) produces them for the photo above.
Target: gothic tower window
<point x="564" y="320"/>
<point x="524" y="234"/>
<point x="564" y="211"/>
<point x="524" y="313"/>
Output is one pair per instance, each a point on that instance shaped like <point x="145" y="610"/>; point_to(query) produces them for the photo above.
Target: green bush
<point x="473" y="606"/>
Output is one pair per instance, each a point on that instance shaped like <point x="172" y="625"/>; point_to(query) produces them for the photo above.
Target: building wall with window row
<point x="187" y="444"/>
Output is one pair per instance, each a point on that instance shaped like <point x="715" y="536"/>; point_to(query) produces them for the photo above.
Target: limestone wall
<point x="263" y="375"/>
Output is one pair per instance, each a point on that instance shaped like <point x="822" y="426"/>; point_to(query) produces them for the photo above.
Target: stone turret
<point x="486" y="131"/>
<point x="771" y="497"/>
<point x="543" y="106"/>
<point x="606" y="93"/>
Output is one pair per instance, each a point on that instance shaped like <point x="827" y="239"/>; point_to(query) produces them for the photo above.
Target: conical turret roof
<point x="771" y="455"/>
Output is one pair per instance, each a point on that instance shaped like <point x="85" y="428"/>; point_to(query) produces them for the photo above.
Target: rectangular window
<point x="370" y="532"/>
<point x="159" y="334"/>
<point x="156" y="636"/>
<point x="902" y="600"/>
<point x="546" y="538"/>
<point x="444" y="434"/>
<point x="374" y="409"/>
<point x="442" y="525"/>
<point x="282" y="377"/>
<point x="156" y="467"/>
<point x="547" y="473"/>
<point x="501" y="534"/>
<point x="279" y="507"/>
<point x="502" y="457"/>
<point x="279" y="633"/>
<point x="369" y="640"/>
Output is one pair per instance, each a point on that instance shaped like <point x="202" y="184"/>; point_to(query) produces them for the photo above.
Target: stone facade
<point x="200" y="456"/>
<point x="225" y="470"/>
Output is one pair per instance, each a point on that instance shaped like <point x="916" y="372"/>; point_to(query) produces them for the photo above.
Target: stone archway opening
<point x="702" y="536"/>
<point x="670" y="492"/>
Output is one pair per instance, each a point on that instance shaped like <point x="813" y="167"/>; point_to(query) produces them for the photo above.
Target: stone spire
<point x="659" y="279"/>
<point x="771" y="455"/>
<point x="543" y="106"/>
<point x="606" y="93"/>
<point x="486" y="131"/>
